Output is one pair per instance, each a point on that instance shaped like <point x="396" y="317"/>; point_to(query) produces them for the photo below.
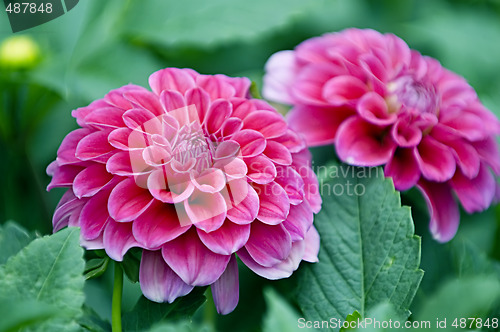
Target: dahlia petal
<point x="94" y="146"/>
<point x="62" y="176"/>
<point x="118" y="239"/>
<point x="142" y="120"/>
<point x="206" y="211"/>
<point x="82" y="112"/>
<point x="405" y="134"/>
<point x="292" y="141"/>
<point x="200" y="99"/>
<point x="211" y="180"/>
<point x="261" y="169"/>
<point x="128" y="201"/>
<point x="274" y="203"/>
<point x="251" y="142"/>
<point x="107" y="117"/>
<point x="67" y="150"/>
<point x="292" y="182"/>
<point x="299" y="221"/>
<point x="312" y="245"/>
<point x="218" y="112"/>
<point x="268" y="245"/>
<point x="240" y="84"/>
<point x="178" y="188"/>
<point x="155" y="156"/>
<point x="95" y="244"/>
<point x="466" y="125"/>
<point x="373" y="108"/>
<point x="146" y="100"/>
<point x="172" y="100"/>
<point x="234" y="168"/>
<point x="231" y="126"/>
<point x="443" y="209"/>
<point x="227" y="149"/>
<point x="308" y="85"/>
<point x="403" y="169"/>
<point x="311" y="189"/>
<point x="226" y="290"/>
<point x="94" y="215"/>
<point x="242" y="107"/>
<point x="280" y="71"/>
<point x="120" y="138"/>
<point x="121" y="164"/>
<point x="475" y="194"/>
<point x="489" y="153"/>
<point x="278" y="153"/>
<point x="340" y="90"/>
<point x="171" y="79"/>
<point x="158" y="282"/>
<point x="283" y="269"/>
<point x="91" y="180"/>
<point x="196" y="265"/>
<point x="226" y="240"/>
<point x="362" y="144"/>
<point x="65" y="208"/>
<point x="269" y="124"/>
<point x="242" y="202"/>
<point x="435" y="160"/>
<point x="117" y="97"/>
<point x="215" y="87"/>
<point x="157" y="225"/>
<point x="319" y="125"/>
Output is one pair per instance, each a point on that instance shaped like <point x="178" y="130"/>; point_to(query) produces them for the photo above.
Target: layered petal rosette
<point x="195" y="173"/>
<point x="382" y="103"/>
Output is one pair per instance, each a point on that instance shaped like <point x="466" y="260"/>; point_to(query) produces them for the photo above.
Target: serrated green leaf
<point x="12" y="239"/>
<point x="369" y="252"/>
<point x="208" y="23"/>
<point x="147" y="313"/>
<point x="48" y="270"/>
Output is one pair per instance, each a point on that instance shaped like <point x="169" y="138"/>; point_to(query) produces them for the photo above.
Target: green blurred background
<point x="104" y="44"/>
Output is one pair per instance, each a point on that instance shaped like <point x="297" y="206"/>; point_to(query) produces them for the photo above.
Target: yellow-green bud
<point x="19" y="52"/>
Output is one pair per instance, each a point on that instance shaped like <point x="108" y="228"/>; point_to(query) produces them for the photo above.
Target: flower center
<point x="414" y="95"/>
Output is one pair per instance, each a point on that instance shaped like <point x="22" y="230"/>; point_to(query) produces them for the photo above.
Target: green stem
<point x="116" y="309"/>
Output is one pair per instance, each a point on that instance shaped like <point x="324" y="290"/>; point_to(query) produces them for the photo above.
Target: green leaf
<point x="147" y="313"/>
<point x="48" y="270"/>
<point x="91" y="321"/>
<point x="369" y="252"/>
<point x="208" y="23"/>
<point x="184" y="326"/>
<point x="280" y="316"/>
<point x="12" y="239"/>
<point x="96" y="267"/>
<point x="21" y="314"/>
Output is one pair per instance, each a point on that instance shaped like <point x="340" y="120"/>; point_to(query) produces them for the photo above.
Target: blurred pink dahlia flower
<point x="382" y="103"/>
<point x="194" y="173"/>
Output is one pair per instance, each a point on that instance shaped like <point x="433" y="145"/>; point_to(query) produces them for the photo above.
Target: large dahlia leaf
<point x="369" y="253"/>
<point x="13" y="238"/>
<point x="47" y="273"/>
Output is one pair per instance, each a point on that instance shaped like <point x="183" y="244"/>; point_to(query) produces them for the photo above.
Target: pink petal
<point x="67" y="149"/>
<point x="226" y="290"/>
<point x="268" y="245"/>
<point x="94" y="146"/>
<point x="261" y="169"/>
<point x="228" y="239"/>
<point x="269" y="124"/>
<point x="157" y="225"/>
<point x="128" y="201"/>
<point x="274" y="203"/>
<point x="118" y="239"/>
<point x="94" y="215"/>
<point x="215" y="87"/>
<point x="211" y="180"/>
<point x="240" y="84"/>
<point x="373" y="108"/>
<point x="299" y="221"/>
<point x="218" y="112"/>
<point x="278" y="153"/>
<point x="145" y="99"/>
<point x="403" y="169"/>
<point x="119" y="138"/>
<point x="206" y="211"/>
<point x="475" y="194"/>
<point x="405" y="134"/>
<point x="192" y="261"/>
<point x="242" y="202"/>
<point x="292" y="141"/>
<point x="234" y="168"/>
<point x="141" y="120"/>
<point x="95" y="244"/>
<point x="280" y="71"/>
<point x="67" y="206"/>
<point x="489" y="153"/>
<point x="435" y="160"/>
<point x="91" y="180"/>
<point x="116" y="97"/>
<point x="251" y="142"/>
<point x="362" y="144"/>
<point x="107" y="117"/>
<point x="443" y="209"/>
<point x="231" y="126"/>
<point x="178" y="188"/>
<point x="292" y="182"/>
<point x="312" y="246"/>
<point x="319" y="125"/>
<point x="172" y="100"/>
<point x="343" y="89"/>
<point x="283" y="269"/>
<point x="171" y="79"/>
<point x="201" y="101"/>
<point x="62" y="176"/>
<point x="466" y="125"/>
<point x="158" y="282"/>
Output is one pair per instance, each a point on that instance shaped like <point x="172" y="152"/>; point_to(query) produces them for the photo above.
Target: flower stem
<point x="116" y="309"/>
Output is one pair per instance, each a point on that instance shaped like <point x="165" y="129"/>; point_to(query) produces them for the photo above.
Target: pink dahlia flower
<point x="194" y="173"/>
<point x="382" y="103"/>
